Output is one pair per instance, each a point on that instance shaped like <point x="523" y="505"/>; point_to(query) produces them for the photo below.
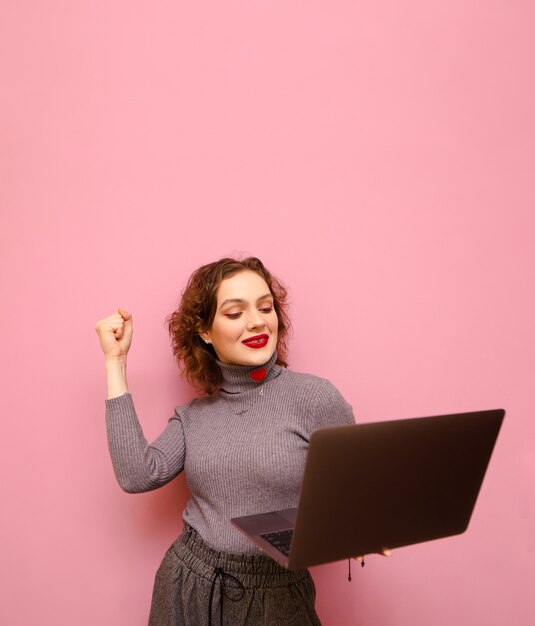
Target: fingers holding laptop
<point x="385" y="552"/>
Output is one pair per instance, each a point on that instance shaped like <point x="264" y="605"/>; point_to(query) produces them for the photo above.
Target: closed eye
<point x="233" y="316"/>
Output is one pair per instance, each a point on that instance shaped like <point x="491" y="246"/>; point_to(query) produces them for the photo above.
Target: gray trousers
<point x="198" y="586"/>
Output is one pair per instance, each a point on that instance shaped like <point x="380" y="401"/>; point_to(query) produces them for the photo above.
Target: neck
<point x="240" y="378"/>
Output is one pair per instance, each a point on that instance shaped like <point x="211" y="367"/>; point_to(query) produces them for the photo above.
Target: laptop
<point x="370" y="487"/>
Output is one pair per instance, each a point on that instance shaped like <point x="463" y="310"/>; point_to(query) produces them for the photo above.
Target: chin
<point x="259" y="358"/>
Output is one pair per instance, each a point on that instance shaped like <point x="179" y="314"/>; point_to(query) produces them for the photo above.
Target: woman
<point x="242" y="447"/>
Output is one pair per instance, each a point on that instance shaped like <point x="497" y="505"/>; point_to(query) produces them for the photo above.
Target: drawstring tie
<point x="240" y="592"/>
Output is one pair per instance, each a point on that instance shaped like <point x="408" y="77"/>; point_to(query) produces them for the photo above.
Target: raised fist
<point x="115" y="333"/>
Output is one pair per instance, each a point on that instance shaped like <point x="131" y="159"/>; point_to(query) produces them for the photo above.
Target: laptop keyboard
<point x="280" y="540"/>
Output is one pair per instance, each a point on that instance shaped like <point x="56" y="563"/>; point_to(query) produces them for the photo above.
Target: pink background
<point x="377" y="155"/>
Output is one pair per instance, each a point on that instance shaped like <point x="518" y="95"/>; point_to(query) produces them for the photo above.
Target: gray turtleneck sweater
<point x="242" y="449"/>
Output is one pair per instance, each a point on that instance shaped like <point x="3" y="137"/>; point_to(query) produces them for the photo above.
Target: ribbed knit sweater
<point x="242" y="449"/>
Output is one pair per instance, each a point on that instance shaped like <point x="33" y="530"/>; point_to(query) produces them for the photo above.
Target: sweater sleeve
<point x="329" y="408"/>
<point x="139" y="466"/>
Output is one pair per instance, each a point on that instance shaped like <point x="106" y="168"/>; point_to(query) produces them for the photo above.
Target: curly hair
<point x="196" y="313"/>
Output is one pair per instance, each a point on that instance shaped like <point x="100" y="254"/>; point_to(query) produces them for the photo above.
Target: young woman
<point x="242" y="446"/>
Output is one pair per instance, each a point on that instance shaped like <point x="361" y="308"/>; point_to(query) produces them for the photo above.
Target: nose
<point x="256" y="320"/>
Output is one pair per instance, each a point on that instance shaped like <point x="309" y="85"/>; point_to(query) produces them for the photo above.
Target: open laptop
<point x="369" y="487"/>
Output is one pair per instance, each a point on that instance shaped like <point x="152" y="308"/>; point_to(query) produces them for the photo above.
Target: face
<point x="244" y="330"/>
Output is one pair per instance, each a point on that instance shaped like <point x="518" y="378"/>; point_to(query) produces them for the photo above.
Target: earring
<point x="207" y="341"/>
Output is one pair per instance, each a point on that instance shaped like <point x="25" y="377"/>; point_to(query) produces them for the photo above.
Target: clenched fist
<point x="115" y="334"/>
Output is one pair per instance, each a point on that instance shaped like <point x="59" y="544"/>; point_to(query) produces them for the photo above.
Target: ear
<point x="205" y="336"/>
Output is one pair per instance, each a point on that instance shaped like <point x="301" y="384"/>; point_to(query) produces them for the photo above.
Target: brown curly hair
<point x="196" y="313"/>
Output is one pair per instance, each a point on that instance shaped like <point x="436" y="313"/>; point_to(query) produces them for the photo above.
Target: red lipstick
<point x="258" y="341"/>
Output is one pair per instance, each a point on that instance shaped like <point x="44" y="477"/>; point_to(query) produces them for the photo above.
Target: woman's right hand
<point x="115" y="334"/>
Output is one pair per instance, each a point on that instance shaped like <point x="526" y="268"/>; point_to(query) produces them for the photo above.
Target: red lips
<point x="258" y="341"/>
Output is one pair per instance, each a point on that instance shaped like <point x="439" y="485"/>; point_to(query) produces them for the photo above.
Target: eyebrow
<point x="242" y="301"/>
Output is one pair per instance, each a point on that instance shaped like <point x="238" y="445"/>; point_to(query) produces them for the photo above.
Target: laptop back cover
<point x="390" y="484"/>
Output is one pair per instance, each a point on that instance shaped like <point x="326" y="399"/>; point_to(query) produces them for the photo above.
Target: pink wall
<point x="378" y="156"/>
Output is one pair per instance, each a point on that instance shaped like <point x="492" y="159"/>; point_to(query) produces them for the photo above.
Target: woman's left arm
<point x="329" y="408"/>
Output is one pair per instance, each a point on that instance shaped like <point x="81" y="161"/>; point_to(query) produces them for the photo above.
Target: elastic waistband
<point x="251" y="570"/>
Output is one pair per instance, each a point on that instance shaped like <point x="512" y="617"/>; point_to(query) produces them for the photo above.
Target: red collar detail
<point x="258" y="375"/>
